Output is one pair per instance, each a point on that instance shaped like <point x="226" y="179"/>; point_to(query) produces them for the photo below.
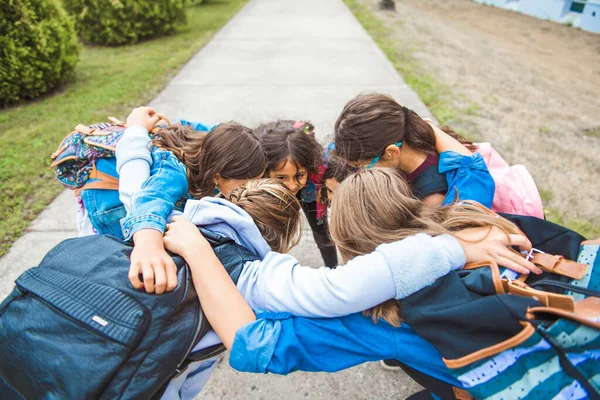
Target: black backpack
<point x="75" y="328"/>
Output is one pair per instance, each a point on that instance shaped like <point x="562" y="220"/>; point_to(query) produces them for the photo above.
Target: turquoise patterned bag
<point x="555" y="356"/>
<point x="74" y="162"/>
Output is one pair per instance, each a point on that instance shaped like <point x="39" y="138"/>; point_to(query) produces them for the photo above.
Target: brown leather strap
<point x="104" y="182"/>
<point x="559" y="265"/>
<point x="461" y="394"/>
<point x="116" y="121"/>
<point x="97" y="185"/>
<point x="562" y="313"/>
<point x="549" y="299"/>
<point x="84" y="129"/>
<point x="528" y="330"/>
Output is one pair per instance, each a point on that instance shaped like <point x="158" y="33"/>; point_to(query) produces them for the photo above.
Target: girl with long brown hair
<point x="295" y="158"/>
<point x="373" y="129"/>
<point x="158" y="174"/>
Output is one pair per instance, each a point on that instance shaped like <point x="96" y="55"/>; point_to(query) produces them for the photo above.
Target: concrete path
<point x="285" y="59"/>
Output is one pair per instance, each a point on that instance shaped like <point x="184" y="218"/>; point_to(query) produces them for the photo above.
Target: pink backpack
<point x="516" y="192"/>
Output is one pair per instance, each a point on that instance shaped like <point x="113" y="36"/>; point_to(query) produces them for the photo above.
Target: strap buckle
<point x="531" y="253"/>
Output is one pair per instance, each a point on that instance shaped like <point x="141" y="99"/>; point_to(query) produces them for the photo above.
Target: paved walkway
<point x="285" y="59"/>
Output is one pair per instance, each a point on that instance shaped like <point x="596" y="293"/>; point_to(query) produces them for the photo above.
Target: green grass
<point x="436" y="96"/>
<point x="109" y="81"/>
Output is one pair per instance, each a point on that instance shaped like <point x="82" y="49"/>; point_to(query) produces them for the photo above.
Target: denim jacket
<point x="163" y="187"/>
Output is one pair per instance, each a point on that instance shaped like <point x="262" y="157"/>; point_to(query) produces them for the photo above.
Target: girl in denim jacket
<point x="179" y="162"/>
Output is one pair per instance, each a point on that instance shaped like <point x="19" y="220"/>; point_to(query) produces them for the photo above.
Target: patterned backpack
<point x="74" y="162"/>
<point x="503" y="336"/>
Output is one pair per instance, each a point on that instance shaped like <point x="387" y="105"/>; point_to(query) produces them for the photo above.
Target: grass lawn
<point x="108" y="81"/>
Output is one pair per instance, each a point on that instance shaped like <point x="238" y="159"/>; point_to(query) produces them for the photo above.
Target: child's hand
<point x="183" y="237"/>
<point x="151" y="260"/>
<point x="144" y="116"/>
<point x="491" y="243"/>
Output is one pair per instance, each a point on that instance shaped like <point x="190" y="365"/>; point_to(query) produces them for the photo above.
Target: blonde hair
<point x="384" y="210"/>
<point x="274" y="209"/>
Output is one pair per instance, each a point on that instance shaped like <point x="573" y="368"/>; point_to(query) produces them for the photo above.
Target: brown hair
<point x="384" y="210"/>
<point x="336" y="169"/>
<point x="371" y="122"/>
<point x="290" y="140"/>
<point x="230" y="150"/>
<point x="274" y="209"/>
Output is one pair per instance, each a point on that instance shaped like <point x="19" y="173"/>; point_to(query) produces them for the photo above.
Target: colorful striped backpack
<point x="509" y="337"/>
<point x="74" y="161"/>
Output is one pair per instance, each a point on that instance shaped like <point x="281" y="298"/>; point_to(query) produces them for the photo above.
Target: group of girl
<point x="386" y="220"/>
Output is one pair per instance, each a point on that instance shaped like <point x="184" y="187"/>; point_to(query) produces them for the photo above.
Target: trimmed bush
<point x="118" y="22"/>
<point x="38" y="48"/>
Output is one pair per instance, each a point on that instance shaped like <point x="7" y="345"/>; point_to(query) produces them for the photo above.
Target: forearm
<point x="222" y="303"/>
<point x="394" y="270"/>
<point x="133" y="163"/>
<point x="155" y="200"/>
<point x="445" y="142"/>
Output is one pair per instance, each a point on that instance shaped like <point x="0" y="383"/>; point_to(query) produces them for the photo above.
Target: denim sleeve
<point x="281" y="344"/>
<point x="468" y="178"/>
<point x="153" y="203"/>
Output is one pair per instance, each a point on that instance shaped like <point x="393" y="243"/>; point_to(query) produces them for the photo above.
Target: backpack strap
<point x="103" y="182"/>
<point x="520" y="288"/>
<point x="557" y="264"/>
<point x="549" y="299"/>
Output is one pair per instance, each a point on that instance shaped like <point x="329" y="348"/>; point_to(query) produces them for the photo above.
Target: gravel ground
<point x="530" y="87"/>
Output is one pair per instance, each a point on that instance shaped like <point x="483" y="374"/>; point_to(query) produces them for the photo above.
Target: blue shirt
<point x="280" y="343"/>
<point x="468" y="178"/>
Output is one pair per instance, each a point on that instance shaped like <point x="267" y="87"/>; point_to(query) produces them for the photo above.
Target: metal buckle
<point x="529" y="254"/>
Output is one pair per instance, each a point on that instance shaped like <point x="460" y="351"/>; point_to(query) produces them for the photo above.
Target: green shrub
<point x="38" y="48"/>
<point x="118" y="22"/>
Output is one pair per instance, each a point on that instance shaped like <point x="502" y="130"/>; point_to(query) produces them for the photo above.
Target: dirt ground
<point x="530" y="87"/>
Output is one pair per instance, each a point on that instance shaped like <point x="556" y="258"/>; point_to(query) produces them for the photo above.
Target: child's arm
<point x="394" y="270"/>
<point x="214" y="287"/>
<point x="139" y="175"/>
<point x="445" y="142"/>
<point x="279" y="343"/>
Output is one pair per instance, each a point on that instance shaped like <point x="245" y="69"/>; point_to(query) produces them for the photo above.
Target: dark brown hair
<point x="371" y="122"/>
<point x="230" y="150"/>
<point x="290" y="140"/>
<point x="336" y="169"/>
